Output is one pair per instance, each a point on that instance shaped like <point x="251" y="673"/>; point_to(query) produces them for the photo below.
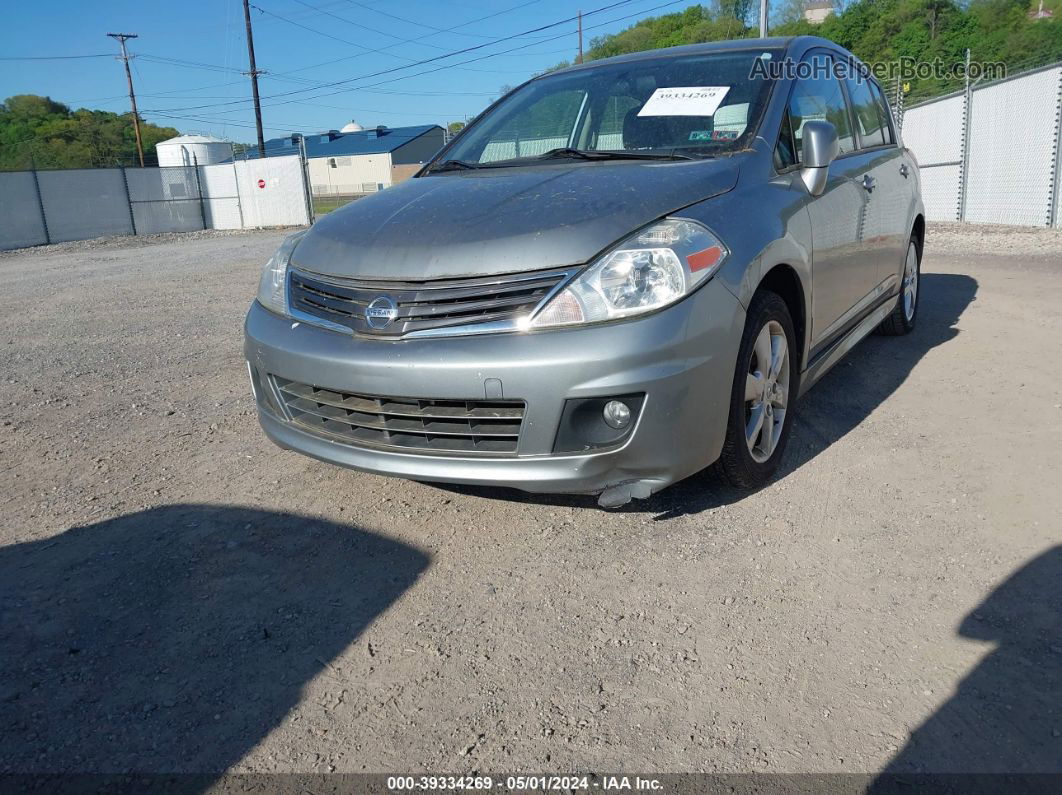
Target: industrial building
<point x="355" y="160"/>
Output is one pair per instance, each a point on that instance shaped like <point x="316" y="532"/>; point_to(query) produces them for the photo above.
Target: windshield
<point x="696" y="105"/>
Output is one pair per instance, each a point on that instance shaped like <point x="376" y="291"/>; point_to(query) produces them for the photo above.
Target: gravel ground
<point x="176" y="594"/>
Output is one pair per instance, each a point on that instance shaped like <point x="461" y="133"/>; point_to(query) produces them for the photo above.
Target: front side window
<point x="868" y="117"/>
<point x="785" y="153"/>
<point x="690" y="106"/>
<point x="819" y="97"/>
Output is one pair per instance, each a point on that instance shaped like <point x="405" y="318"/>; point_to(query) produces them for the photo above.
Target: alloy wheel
<point x="766" y="391"/>
<point x="910" y="283"/>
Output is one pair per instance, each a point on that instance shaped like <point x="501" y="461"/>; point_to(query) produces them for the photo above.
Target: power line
<point x="366" y="50"/>
<point x="437" y="57"/>
<point x="162" y="59"/>
<point x="369" y="88"/>
<point x="206" y="120"/>
<point x="417" y="39"/>
<point x="312" y="30"/>
<point x="359" y="25"/>
<point x="449" y="66"/>
<point x="288" y="75"/>
<point x="52" y="57"/>
<point x="414" y="22"/>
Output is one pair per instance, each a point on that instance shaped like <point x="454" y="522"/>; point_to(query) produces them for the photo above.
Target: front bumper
<point x="682" y="359"/>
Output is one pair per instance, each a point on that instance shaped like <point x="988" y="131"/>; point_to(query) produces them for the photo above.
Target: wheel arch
<point x="918" y="230"/>
<point x="784" y="280"/>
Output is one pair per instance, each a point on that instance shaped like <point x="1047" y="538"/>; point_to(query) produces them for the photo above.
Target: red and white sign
<point x="261" y="183"/>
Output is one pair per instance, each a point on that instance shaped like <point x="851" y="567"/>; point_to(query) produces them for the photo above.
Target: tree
<point x="455" y="126"/>
<point x="38" y="131"/>
<point x="877" y="31"/>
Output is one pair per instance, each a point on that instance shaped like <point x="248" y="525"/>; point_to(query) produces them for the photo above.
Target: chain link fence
<point x="990" y="153"/>
<point x="40" y="207"/>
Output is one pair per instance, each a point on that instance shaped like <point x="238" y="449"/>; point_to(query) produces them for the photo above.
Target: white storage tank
<point x="188" y="150"/>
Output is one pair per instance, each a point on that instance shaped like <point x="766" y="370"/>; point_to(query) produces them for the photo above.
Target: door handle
<point x="904" y="170"/>
<point x="868" y="183"/>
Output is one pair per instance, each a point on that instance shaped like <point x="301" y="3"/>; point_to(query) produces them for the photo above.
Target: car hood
<point x="504" y="220"/>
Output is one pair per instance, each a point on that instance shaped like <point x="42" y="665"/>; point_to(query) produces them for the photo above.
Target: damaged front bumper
<point x="679" y="360"/>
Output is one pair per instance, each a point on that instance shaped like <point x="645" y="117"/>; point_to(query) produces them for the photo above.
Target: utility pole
<point x="124" y="57"/>
<point x="580" y="37"/>
<point x="763" y="19"/>
<point x="254" y="78"/>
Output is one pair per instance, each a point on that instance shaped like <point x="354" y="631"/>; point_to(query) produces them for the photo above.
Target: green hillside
<point x="875" y="30"/>
<point x="38" y="131"/>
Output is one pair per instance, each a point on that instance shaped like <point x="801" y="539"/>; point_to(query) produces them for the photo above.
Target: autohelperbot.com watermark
<point x="903" y="69"/>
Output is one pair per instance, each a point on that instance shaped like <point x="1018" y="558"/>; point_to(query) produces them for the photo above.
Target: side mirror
<point x="820" y="148"/>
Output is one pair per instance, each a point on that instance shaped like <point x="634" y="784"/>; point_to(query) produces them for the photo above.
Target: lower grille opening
<point x="478" y="427"/>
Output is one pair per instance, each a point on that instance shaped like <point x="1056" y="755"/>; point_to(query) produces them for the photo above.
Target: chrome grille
<point x="421" y="306"/>
<point x="480" y="427"/>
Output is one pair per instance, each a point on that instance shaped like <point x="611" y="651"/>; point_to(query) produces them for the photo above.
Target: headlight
<point x="649" y="270"/>
<point x="273" y="286"/>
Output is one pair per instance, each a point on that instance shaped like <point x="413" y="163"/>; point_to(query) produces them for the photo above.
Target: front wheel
<point x="765" y="387"/>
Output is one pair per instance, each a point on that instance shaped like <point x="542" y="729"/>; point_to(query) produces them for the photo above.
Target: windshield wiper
<point x="454" y="165"/>
<point x="560" y="153"/>
<point x="605" y="154"/>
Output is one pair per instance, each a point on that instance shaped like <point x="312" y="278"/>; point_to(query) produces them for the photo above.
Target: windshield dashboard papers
<point x="684" y="101"/>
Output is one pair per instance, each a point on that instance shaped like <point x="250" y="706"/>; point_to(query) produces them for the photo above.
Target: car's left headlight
<point x="273" y="286"/>
<point x="647" y="271"/>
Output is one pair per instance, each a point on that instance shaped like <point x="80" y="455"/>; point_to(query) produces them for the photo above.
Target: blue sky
<point x="190" y="54"/>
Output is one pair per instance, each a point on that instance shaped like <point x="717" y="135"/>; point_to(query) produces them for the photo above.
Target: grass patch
<point x="325" y="204"/>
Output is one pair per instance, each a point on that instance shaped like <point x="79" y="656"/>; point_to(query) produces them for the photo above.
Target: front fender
<point x="763" y="225"/>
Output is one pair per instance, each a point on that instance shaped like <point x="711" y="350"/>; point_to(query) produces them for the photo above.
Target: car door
<point x="887" y="180"/>
<point x="842" y="274"/>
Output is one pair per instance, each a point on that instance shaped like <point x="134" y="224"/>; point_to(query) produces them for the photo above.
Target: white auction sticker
<point x="684" y="101"/>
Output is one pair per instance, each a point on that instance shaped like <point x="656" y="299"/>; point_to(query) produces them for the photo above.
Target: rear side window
<point x="867" y="112"/>
<point x="883" y="109"/>
<point x="819" y="97"/>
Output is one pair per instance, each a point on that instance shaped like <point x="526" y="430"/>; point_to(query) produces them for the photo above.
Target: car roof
<point x="790" y="44"/>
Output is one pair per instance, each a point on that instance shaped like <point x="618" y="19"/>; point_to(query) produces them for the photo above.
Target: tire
<point x="905" y="315"/>
<point x="749" y="458"/>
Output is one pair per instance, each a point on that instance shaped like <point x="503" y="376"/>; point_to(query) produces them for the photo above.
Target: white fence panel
<point x="165" y="199"/>
<point x="20" y="211"/>
<point x="940" y="192"/>
<point x="221" y="197"/>
<point x="273" y="192"/>
<point x="933" y="132"/>
<point x="85" y="203"/>
<point x="1012" y="140"/>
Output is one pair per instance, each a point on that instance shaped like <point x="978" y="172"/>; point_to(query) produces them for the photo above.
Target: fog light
<point x="617" y="414"/>
<point x="596" y="423"/>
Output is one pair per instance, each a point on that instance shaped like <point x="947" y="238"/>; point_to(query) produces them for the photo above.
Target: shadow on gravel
<point x="1006" y="715"/>
<point x="175" y="639"/>
<point x="834" y="406"/>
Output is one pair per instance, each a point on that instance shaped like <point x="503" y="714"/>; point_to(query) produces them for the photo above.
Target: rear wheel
<point x="765" y="386"/>
<point x="903" y="317"/>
